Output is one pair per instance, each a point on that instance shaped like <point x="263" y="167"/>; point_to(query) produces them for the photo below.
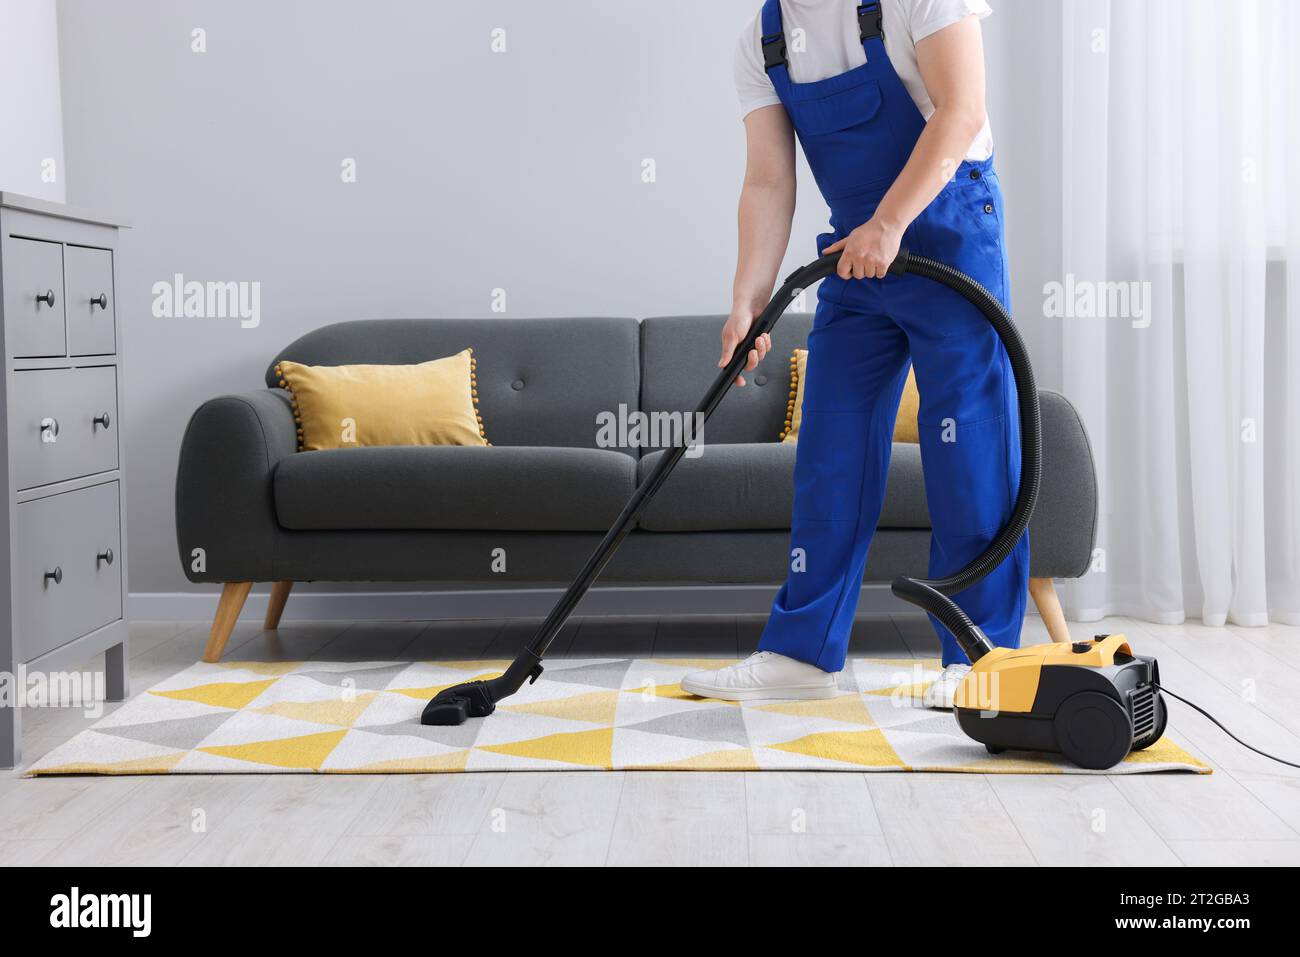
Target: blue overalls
<point x="857" y="131"/>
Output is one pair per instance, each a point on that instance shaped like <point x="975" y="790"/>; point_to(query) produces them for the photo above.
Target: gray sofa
<point x="544" y="491"/>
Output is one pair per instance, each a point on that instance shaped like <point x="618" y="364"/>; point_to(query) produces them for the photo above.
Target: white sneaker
<point x="763" y="675"/>
<point x="940" y="694"/>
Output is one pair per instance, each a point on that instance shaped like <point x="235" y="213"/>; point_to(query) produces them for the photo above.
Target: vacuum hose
<point x="933" y="594"/>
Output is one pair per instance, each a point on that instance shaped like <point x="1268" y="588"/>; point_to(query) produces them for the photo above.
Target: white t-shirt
<point x="830" y="45"/>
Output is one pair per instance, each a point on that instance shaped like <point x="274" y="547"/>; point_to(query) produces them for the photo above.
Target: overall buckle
<point x="870" y="22"/>
<point x="773" y="50"/>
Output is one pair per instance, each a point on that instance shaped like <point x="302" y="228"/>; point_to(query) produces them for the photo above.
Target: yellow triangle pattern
<point x="1026" y="763"/>
<point x="858" y="743"/>
<point x="328" y="711"/>
<point x="593" y="749"/>
<point x="223" y="694"/>
<point x="160" y="764"/>
<point x="451" y="761"/>
<point x="915" y="691"/>
<point x="866" y="748"/>
<point x="431" y="690"/>
<point x="1165" y="751"/>
<point x="732" y="759"/>
<point x="307" y="751"/>
<point x="675" y="692"/>
<point x="596" y="707"/>
<point x="275" y="668"/>
<point x="848" y="708"/>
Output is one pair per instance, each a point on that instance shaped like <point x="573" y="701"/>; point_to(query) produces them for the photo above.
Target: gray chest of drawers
<point x="63" y="581"/>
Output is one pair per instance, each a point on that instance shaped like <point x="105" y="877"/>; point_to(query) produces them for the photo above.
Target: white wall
<point x="476" y="170"/>
<point x="31" y="121"/>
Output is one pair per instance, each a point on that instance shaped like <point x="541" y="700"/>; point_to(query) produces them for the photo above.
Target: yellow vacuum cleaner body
<point x="1092" y="701"/>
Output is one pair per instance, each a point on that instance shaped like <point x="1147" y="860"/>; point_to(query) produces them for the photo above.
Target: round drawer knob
<point x="101" y="300"/>
<point x="49" y="429"/>
<point x="106" y="556"/>
<point x="47" y="297"/>
<point x="55" y="576"/>
<point x="101" y="419"/>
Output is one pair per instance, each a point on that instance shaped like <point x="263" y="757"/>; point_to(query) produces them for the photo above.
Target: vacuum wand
<point x="478" y="699"/>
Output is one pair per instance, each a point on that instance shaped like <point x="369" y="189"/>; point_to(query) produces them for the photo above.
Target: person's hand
<point x="733" y="334"/>
<point x="867" y="251"/>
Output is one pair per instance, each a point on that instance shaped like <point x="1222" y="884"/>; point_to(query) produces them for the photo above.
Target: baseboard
<point x="307" y="605"/>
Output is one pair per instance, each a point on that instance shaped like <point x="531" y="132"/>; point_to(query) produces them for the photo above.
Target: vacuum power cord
<point x="1196" y="707"/>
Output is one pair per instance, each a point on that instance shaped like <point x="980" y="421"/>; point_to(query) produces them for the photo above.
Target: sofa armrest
<point x="1063" y="528"/>
<point x="225" y="504"/>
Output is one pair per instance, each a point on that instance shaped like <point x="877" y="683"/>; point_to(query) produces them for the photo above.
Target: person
<point x="886" y="99"/>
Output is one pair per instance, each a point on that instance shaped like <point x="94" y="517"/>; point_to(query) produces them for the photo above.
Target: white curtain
<point x="1179" y="302"/>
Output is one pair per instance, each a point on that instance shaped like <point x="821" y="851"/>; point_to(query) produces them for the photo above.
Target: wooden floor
<point x="1247" y="812"/>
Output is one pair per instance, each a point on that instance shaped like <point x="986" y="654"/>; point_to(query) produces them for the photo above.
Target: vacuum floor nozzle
<point x="454" y="705"/>
<point x="478" y="699"/>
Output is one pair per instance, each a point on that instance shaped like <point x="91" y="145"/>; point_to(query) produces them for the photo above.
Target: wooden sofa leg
<point x="1043" y="591"/>
<point x="275" y="607"/>
<point x="233" y="595"/>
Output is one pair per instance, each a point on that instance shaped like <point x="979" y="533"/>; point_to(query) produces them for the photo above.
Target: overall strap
<point x="871" y="30"/>
<point x="773" y="48"/>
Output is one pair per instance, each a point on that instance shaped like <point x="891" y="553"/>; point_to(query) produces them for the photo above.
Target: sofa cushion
<point x="751" y="486"/>
<point x="679" y="361"/>
<point x="453" y="487"/>
<point x="540" y="381"/>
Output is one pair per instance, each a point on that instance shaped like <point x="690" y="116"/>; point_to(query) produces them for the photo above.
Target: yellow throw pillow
<point x="794" y="408"/>
<point x="432" y="403"/>
<point x="905" y="429"/>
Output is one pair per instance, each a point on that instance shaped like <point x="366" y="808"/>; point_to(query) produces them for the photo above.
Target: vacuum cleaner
<point x="1092" y="701"/>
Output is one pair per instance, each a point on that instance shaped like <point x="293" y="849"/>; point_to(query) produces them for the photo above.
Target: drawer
<point x="68" y="571"/>
<point x="62" y="424"/>
<point x="88" y="279"/>
<point x="32" y="268"/>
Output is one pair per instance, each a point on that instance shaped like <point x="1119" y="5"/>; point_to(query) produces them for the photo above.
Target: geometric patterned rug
<point x="594" y="714"/>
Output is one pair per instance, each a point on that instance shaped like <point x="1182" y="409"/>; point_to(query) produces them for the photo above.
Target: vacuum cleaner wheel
<point x="1093" y="730"/>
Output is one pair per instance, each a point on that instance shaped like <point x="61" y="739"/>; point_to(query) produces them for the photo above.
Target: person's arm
<point x="765" y="215"/>
<point x="952" y="67"/>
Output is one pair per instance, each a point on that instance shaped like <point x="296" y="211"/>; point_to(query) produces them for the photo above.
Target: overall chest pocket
<point x="847" y="139"/>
